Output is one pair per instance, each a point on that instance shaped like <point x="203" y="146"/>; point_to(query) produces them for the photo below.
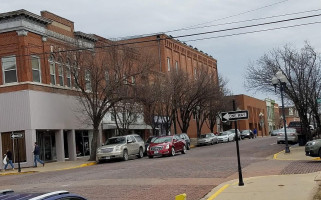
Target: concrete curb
<point x="29" y="172"/>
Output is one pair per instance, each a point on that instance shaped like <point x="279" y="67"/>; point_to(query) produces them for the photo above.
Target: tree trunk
<point x="94" y="142"/>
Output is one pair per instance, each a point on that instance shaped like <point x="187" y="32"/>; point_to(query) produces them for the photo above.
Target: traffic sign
<point x="16" y="135"/>
<point x="234" y="115"/>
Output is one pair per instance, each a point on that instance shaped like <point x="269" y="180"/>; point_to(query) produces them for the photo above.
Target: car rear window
<point x="138" y="139"/>
<point x="295" y="124"/>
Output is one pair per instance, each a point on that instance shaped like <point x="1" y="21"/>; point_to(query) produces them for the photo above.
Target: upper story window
<point x="168" y="64"/>
<point x="68" y="74"/>
<point x="195" y="72"/>
<point x="52" y="70"/>
<point x="9" y="69"/>
<point x="36" y="72"/>
<point x="87" y="80"/>
<point x="176" y="65"/>
<point x="60" y="72"/>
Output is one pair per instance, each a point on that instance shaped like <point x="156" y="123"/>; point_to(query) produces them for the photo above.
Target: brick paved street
<point x="195" y="173"/>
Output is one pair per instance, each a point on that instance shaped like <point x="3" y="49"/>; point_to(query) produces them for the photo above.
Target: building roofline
<point x="26" y="14"/>
<point x="85" y="36"/>
<point x="56" y="15"/>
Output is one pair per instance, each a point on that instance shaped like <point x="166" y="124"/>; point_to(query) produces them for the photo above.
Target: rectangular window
<point x="68" y="76"/>
<point x="52" y="73"/>
<point x="176" y="65"/>
<point x="9" y="68"/>
<point x="36" y="72"/>
<point x="87" y="80"/>
<point x="133" y="80"/>
<point x="168" y="64"/>
<point x="61" y="74"/>
<point x="113" y="117"/>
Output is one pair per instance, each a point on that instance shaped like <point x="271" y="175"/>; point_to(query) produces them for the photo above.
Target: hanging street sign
<point x="234" y="115"/>
<point x="16" y="135"/>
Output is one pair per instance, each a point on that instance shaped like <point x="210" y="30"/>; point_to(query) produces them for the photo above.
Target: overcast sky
<point x="113" y="19"/>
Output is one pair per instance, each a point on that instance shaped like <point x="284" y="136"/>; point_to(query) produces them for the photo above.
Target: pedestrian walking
<point x="255" y="132"/>
<point x="36" y="153"/>
<point x="9" y="159"/>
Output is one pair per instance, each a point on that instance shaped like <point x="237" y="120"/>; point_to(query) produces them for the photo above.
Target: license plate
<point x="155" y="152"/>
<point x="107" y="157"/>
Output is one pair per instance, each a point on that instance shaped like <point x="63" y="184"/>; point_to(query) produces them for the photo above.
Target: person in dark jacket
<point x="9" y="159"/>
<point x="36" y="153"/>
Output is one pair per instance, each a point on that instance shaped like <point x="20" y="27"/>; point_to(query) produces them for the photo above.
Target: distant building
<point x="291" y="114"/>
<point x="272" y="115"/>
<point x="257" y="114"/>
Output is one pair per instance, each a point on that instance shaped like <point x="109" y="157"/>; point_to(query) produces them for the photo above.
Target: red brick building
<point x="257" y="114"/>
<point x="37" y="90"/>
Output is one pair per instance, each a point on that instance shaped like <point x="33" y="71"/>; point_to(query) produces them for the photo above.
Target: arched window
<point x="52" y="70"/>
<point x="68" y="74"/>
<point x="60" y="72"/>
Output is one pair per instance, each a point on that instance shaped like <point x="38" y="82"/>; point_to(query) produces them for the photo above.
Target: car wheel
<point x="212" y="142"/>
<point x="188" y="146"/>
<point x="150" y="156"/>
<point x="320" y="152"/>
<point x="173" y="152"/>
<point x="278" y="142"/>
<point x="141" y="153"/>
<point x="184" y="150"/>
<point x="125" y="155"/>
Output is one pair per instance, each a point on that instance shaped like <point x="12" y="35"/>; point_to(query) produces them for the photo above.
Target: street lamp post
<point x="261" y="115"/>
<point x="280" y="78"/>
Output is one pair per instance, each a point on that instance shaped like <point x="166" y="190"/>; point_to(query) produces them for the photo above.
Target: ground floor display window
<point x="13" y="145"/>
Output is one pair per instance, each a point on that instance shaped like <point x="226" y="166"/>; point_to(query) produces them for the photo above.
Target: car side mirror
<point x="129" y="141"/>
<point x="102" y="144"/>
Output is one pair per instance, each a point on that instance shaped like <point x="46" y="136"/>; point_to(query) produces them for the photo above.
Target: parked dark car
<point x="11" y="195"/>
<point x="247" y="134"/>
<point x="148" y="141"/>
<point x="185" y="137"/>
<point x="166" y="145"/>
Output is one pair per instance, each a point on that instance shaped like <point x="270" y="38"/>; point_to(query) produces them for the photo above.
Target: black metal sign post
<point x="241" y="183"/>
<point x="17" y="136"/>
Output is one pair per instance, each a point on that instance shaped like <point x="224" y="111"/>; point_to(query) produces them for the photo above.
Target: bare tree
<point x="104" y="77"/>
<point x="301" y="68"/>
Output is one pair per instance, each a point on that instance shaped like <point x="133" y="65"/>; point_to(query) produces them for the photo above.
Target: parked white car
<point x="225" y="136"/>
<point x="121" y="147"/>
<point x="208" y="138"/>
<point x="291" y="133"/>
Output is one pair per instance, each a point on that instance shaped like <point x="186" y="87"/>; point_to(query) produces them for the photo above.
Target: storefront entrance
<point x="82" y="143"/>
<point x="47" y="143"/>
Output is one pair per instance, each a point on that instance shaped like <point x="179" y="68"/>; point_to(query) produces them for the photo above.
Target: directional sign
<point x="234" y="115"/>
<point x="16" y="135"/>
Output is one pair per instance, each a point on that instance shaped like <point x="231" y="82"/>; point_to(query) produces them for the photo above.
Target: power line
<point x="248" y="26"/>
<point x="263" y="30"/>
<point x="255" y="19"/>
<point x="242" y="13"/>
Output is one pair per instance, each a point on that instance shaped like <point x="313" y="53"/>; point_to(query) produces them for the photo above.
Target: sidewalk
<point x="277" y="187"/>
<point x="52" y="166"/>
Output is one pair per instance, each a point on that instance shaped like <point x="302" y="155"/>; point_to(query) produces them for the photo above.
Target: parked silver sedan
<point x="291" y="133"/>
<point x="208" y="138"/>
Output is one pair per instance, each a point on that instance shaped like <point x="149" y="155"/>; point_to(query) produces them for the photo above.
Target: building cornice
<point x="26" y="14"/>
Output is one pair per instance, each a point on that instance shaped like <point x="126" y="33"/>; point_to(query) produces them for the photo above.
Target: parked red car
<point x="166" y="145"/>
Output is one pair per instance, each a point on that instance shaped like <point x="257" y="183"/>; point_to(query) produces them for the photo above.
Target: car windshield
<point x="205" y="136"/>
<point x="150" y="139"/>
<point x="116" y="140"/>
<point x="224" y="133"/>
<point x="163" y="140"/>
<point x="246" y="131"/>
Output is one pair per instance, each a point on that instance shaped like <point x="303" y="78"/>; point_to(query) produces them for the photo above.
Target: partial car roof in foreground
<point x="11" y="195"/>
